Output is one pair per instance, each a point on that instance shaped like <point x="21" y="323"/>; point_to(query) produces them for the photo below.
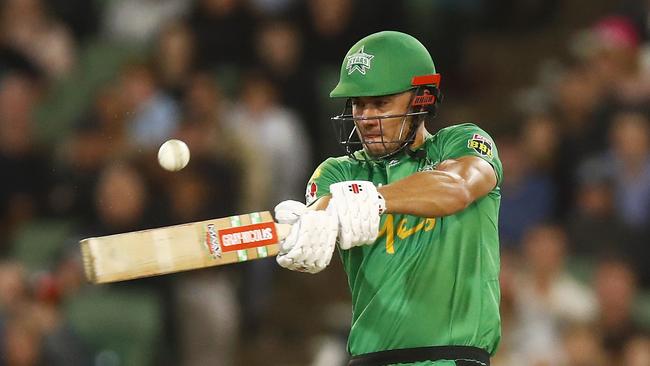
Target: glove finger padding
<point x="358" y="207"/>
<point x="288" y="212"/>
<point x="311" y="248"/>
<point x="290" y="241"/>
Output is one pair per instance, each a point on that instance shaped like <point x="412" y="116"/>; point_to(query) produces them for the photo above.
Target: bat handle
<point x="283" y="230"/>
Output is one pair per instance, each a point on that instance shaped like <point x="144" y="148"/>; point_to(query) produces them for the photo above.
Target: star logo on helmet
<point x="359" y="61"/>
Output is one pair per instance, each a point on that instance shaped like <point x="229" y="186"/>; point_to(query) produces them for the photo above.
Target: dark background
<point x="89" y="90"/>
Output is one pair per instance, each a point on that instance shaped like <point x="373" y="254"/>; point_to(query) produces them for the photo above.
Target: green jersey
<point x="425" y="281"/>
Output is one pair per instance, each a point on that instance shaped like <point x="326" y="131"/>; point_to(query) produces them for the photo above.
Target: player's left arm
<point x="453" y="186"/>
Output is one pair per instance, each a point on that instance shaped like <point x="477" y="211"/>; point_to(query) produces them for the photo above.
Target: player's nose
<point x="369" y="125"/>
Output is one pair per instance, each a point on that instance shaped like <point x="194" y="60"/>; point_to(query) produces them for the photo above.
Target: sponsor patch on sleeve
<point x="311" y="193"/>
<point x="480" y="144"/>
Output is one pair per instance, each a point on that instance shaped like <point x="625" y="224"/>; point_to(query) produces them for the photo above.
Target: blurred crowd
<point x="90" y="89"/>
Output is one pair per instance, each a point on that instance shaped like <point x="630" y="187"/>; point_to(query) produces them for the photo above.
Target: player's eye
<point x="382" y="104"/>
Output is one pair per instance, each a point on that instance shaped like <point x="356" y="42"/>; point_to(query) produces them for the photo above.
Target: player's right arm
<point x="453" y="186"/>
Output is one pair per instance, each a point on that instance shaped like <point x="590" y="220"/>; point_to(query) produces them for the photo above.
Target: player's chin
<point x="379" y="149"/>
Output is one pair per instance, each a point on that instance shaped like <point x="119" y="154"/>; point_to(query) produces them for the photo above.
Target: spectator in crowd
<point x="278" y="134"/>
<point x="24" y="188"/>
<point x="175" y="58"/>
<point x="207" y="132"/>
<point x="272" y="8"/>
<point x="153" y="115"/>
<point x="626" y="164"/>
<point x="32" y="329"/>
<point x="330" y="29"/>
<point x="611" y="48"/>
<point x="605" y="77"/>
<point x="547" y="297"/>
<point x="22" y="340"/>
<point x="30" y="29"/>
<point x="615" y="284"/>
<point x="527" y="193"/>
<point x="140" y="21"/>
<point x="224" y="29"/>
<point x="540" y="138"/>
<point x="207" y="188"/>
<point x="13" y="287"/>
<point x="581" y="346"/>
<point x="593" y="226"/>
<point x="637" y="351"/>
<point x="121" y="200"/>
<point x="81" y="16"/>
<point x="629" y="164"/>
<point x="99" y="137"/>
<point x="207" y="337"/>
<point x="280" y="53"/>
<point x="577" y="97"/>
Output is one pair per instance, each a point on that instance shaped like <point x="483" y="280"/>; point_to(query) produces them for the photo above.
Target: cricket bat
<point x="182" y="247"/>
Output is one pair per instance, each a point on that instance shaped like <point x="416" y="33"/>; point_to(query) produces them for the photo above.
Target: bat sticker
<point x="248" y="236"/>
<point x="212" y="241"/>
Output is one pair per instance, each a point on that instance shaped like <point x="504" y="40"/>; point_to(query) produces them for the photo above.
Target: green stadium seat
<point x="121" y="326"/>
<point x="642" y="309"/>
<point x="69" y="98"/>
<point x="37" y="244"/>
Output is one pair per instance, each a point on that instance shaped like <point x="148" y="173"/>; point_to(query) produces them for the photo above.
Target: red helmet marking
<point x="426" y="80"/>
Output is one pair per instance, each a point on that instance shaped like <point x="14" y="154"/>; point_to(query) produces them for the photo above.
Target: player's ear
<point x="433" y="96"/>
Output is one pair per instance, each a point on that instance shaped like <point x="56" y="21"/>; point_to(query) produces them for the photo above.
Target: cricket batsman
<point x="414" y="215"/>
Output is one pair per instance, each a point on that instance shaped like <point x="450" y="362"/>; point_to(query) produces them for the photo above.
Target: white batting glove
<point x="288" y="212"/>
<point x="358" y="206"/>
<point x="310" y="244"/>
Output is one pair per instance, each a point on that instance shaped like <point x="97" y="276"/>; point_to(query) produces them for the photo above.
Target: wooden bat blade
<point x="182" y="247"/>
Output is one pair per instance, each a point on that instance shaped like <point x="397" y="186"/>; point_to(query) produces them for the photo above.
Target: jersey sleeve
<point x="470" y="140"/>
<point x="328" y="172"/>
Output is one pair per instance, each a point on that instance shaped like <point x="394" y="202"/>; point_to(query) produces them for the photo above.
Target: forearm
<point x="453" y="186"/>
<point x="427" y="194"/>
<point x="321" y="203"/>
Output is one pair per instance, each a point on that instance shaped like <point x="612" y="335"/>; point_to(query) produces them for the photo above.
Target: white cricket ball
<point x="173" y="155"/>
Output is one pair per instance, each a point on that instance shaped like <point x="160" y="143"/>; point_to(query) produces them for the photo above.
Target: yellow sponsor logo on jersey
<point x="402" y="230"/>
<point x="316" y="174"/>
<point x="481" y="145"/>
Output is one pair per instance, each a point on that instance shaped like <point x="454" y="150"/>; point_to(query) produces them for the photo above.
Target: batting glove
<point x="310" y="244"/>
<point x="358" y="206"/>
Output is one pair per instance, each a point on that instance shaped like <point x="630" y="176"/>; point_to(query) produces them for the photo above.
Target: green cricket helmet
<point x="386" y="63"/>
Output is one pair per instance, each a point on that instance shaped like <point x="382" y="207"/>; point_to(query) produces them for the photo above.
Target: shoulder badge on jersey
<point x="311" y="193"/>
<point x="480" y="144"/>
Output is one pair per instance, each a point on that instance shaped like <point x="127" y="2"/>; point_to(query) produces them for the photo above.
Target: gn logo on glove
<point x="480" y="144"/>
<point x="355" y="188"/>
